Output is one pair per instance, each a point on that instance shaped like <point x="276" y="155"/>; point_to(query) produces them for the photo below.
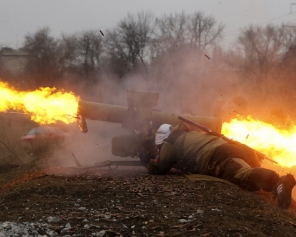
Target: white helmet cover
<point x="162" y="133"/>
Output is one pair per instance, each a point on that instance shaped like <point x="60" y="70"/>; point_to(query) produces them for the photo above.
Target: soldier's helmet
<point x="162" y="133"/>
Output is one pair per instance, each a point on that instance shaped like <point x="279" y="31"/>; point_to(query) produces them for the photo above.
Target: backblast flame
<point x="277" y="144"/>
<point x="45" y="105"/>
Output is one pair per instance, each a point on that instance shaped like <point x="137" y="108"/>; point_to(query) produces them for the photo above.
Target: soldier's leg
<point x="237" y="171"/>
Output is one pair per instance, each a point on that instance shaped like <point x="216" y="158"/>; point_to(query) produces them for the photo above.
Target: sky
<point x="21" y="17"/>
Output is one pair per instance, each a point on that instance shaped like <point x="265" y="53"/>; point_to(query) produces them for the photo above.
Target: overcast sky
<point x="20" y="17"/>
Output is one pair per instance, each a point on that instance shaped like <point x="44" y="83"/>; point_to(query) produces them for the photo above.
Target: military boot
<point x="283" y="190"/>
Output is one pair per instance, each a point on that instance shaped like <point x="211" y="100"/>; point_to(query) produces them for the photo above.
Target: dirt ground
<point x="126" y="201"/>
<point x="137" y="204"/>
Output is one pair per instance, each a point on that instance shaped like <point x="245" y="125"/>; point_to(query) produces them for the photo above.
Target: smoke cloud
<point x="189" y="83"/>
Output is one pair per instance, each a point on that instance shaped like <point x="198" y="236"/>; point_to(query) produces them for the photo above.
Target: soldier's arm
<point x="163" y="162"/>
<point x="157" y="166"/>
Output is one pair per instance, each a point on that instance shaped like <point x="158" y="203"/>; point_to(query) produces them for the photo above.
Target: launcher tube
<point x="117" y="114"/>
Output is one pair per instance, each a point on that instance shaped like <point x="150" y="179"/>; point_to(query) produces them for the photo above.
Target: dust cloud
<point x="188" y="83"/>
<point x="86" y="148"/>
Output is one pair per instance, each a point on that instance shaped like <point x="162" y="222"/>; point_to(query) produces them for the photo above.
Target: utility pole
<point x="291" y="5"/>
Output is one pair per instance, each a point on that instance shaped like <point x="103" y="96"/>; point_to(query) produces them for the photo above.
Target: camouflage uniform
<point x="196" y="152"/>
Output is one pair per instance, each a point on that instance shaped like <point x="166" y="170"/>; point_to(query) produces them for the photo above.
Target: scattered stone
<point x="107" y="215"/>
<point x="53" y="219"/>
<point x="199" y="211"/>
<point x="215" y="209"/>
<point x="68" y="225"/>
<point x="101" y="233"/>
<point x="183" y="220"/>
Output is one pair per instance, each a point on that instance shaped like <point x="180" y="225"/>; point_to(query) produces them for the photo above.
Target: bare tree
<point x="1" y="63"/>
<point x="68" y="53"/>
<point x="80" y="54"/>
<point x="180" y="30"/>
<point x="262" y="58"/>
<point x="89" y="50"/>
<point x="259" y="49"/>
<point x="173" y="27"/>
<point x="170" y="34"/>
<point x="128" y="42"/>
<point x="43" y="67"/>
<point x="203" y="31"/>
<point x="289" y="57"/>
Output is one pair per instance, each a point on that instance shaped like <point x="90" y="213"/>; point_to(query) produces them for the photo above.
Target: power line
<point x="270" y="20"/>
<point x="275" y="18"/>
<point x="291" y="5"/>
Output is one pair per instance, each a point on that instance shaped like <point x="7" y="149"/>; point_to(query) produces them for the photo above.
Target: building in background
<point x="14" y="61"/>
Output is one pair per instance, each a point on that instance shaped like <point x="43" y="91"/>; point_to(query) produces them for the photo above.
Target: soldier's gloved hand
<point x="144" y="158"/>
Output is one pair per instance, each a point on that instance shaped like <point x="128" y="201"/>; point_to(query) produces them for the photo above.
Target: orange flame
<point x="277" y="144"/>
<point x="45" y="105"/>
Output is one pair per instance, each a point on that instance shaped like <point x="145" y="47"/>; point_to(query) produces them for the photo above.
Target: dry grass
<point x="13" y="150"/>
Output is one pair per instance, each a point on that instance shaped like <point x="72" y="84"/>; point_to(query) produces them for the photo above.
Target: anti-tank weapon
<point x="140" y="118"/>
